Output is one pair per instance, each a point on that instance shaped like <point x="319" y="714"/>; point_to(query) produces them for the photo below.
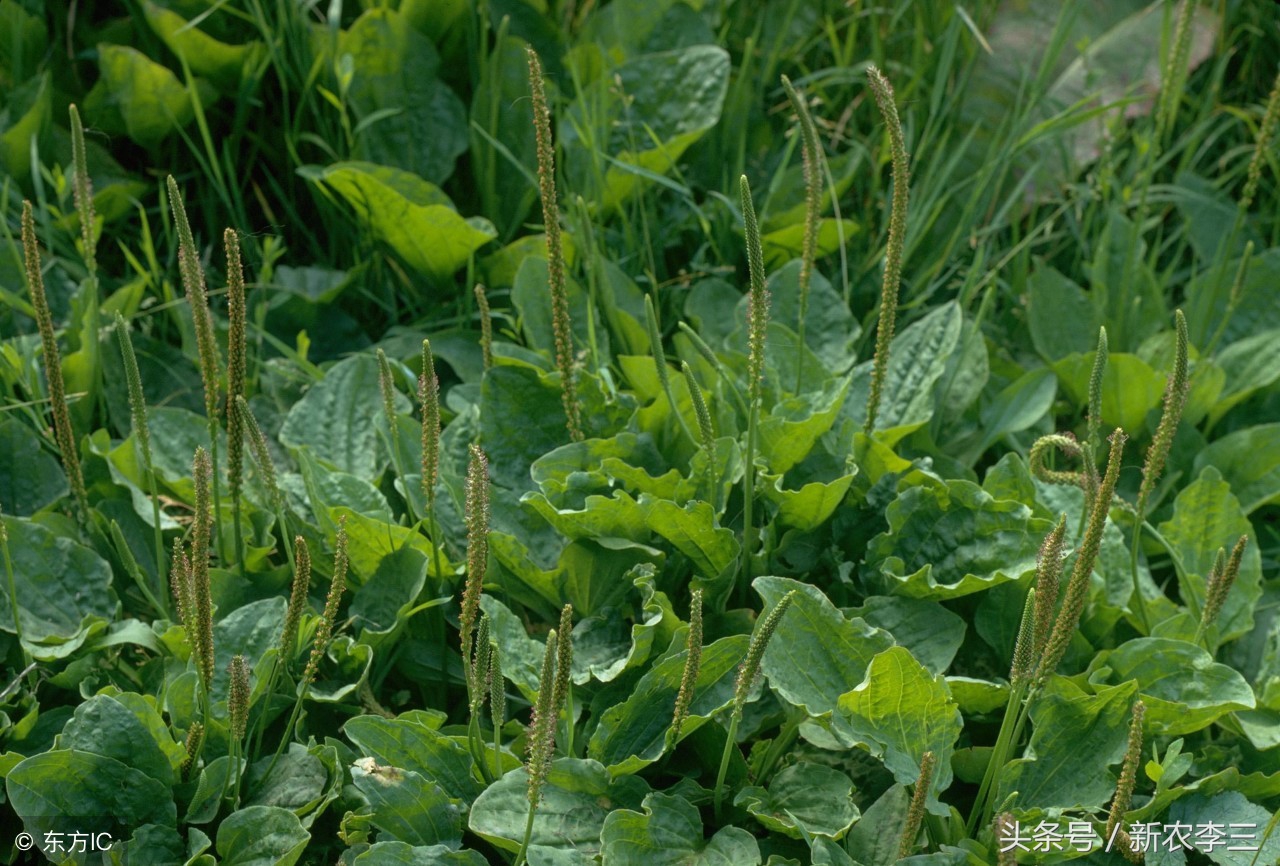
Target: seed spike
<point x="883" y="93"/>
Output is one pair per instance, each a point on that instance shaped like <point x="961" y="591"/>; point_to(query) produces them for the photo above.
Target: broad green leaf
<point x="521" y="654"/>
<point x="809" y="797"/>
<point x="335" y="419"/>
<point x="1206" y="516"/>
<point x="978" y="697"/>
<point x="1130" y="388"/>
<point x="104" y="726"/>
<point x="23" y="40"/>
<point x="407" y="743"/>
<point x="1018" y="406"/>
<point x="1251" y="365"/>
<point x="407" y="807"/>
<point x="952" y="538"/>
<point x="809" y="507"/>
<point x="830" y="330"/>
<point x="59" y="584"/>
<point x="817" y="654"/>
<point x="1184" y="689"/>
<point x="1074" y="739"/>
<point x="218" y="61"/>
<point x="370" y="541"/>
<point x="899" y="712"/>
<point x="519" y="392"/>
<point x="27" y="121"/>
<point x="693" y="531"/>
<point x="137" y="96"/>
<point x="404" y="854"/>
<point x="786" y="244"/>
<point x="423" y="229"/>
<point x="632" y="735"/>
<point x="1255" y="311"/>
<point x="532" y="301"/>
<point x="669" y="833"/>
<point x="792" y="427"/>
<point x="1249" y="461"/>
<point x="261" y="836"/>
<point x="1243" y="822"/>
<point x="929" y="630"/>
<point x="575" y="800"/>
<point x="876" y="837"/>
<point x="250" y="630"/>
<point x="917" y="358"/>
<point x="47" y="789"/>
<point x="30" y="478"/>
<point x="390" y="592"/>
<point x="648" y="111"/>
<point x="394" y="70"/>
<point x="298" y="781"/>
<point x="1061" y="317"/>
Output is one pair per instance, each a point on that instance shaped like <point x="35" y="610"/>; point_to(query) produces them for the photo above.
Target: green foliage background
<point x="1068" y="172"/>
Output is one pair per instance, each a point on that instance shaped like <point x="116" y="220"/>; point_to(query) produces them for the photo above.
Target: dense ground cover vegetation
<point x="647" y="431"/>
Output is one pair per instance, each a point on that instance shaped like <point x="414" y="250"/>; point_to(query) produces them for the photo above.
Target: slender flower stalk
<point x="429" y="397"/>
<point x="660" y="363"/>
<point x="555" y="252"/>
<point x="541" y="738"/>
<point x="1221" y="579"/>
<point x="180" y="583"/>
<point x="202" y="319"/>
<point x="266" y="467"/>
<point x="62" y="432"/>
<point x="915" y="813"/>
<point x="141" y="433"/>
<point x="706" y="432"/>
<point x="480" y="666"/>
<point x="288" y="646"/>
<point x="477" y="519"/>
<point x="1233" y="298"/>
<point x="1006" y="832"/>
<point x="297" y="600"/>
<point x="324" y="633"/>
<point x="1078" y="585"/>
<point x="692" y="662"/>
<point x="747" y="673"/>
<point x="238" y="696"/>
<point x="1125" y="785"/>
<point x="237" y="719"/>
<point x="486" y="326"/>
<point x="82" y="190"/>
<point x="497" y="704"/>
<point x="812" y="159"/>
<point x="1175" y="400"/>
<point x="1175" y="70"/>
<point x="562" y="697"/>
<point x="237" y="362"/>
<point x="1100" y="357"/>
<point x="757" y="327"/>
<point x="201" y="593"/>
<point x="1266" y="131"/>
<point x="1048" y="577"/>
<point x="883" y="93"/>
<point x="193" y="744"/>
<point x="1037" y="463"/>
<point x="337" y="586"/>
<point x="387" y="387"/>
<point x="1023" y="648"/>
